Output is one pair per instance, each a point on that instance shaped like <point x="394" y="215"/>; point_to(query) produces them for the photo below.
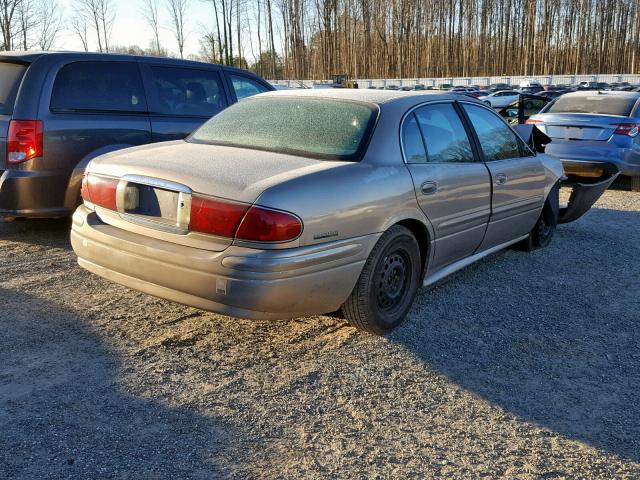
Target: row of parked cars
<point x="283" y="204"/>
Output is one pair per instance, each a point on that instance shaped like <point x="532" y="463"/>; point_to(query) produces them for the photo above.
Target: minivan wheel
<point x="387" y="284"/>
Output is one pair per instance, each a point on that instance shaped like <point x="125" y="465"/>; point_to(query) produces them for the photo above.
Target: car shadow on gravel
<point x="64" y="414"/>
<point x="49" y="232"/>
<point x="552" y="336"/>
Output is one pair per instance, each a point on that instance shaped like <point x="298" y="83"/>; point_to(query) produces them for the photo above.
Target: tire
<point x="544" y="229"/>
<point x="635" y="184"/>
<point x="387" y="284"/>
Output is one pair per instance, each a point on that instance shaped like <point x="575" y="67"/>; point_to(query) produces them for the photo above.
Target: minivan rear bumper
<point x="241" y="282"/>
<point x="26" y="193"/>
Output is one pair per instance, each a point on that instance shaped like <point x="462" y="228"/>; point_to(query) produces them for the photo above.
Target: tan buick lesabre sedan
<point x="295" y="203"/>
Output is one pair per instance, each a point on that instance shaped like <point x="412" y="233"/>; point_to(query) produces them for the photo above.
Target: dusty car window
<point x="412" y="143"/>
<point x="314" y="127"/>
<point x="444" y="135"/>
<point x="497" y="140"/>
<point x="602" y="104"/>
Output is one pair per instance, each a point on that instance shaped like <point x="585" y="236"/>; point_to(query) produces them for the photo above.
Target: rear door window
<point x="412" y="143"/>
<point x="599" y="104"/>
<point x="10" y="77"/>
<point x="99" y="86"/>
<point x="246" y="87"/>
<point x="444" y="135"/>
<point x="497" y="140"/>
<point x="186" y="91"/>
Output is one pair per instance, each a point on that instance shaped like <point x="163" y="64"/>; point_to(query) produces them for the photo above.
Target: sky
<point x="130" y="27"/>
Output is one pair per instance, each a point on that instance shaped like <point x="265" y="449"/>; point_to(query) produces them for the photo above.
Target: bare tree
<point x="27" y="23"/>
<point x="150" y="13"/>
<point x="178" y="11"/>
<point x="79" y="28"/>
<point x="9" y="13"/>
<point x="101" y="15"/>
<point x="49" y="23"/>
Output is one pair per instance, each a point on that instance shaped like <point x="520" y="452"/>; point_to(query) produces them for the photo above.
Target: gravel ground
<point x="522" y="366"/>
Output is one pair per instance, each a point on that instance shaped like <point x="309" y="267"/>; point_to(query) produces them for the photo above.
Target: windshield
<point x="314" y="127"/>
<point x="10" y="77"/>
<point x="602" y="104"/>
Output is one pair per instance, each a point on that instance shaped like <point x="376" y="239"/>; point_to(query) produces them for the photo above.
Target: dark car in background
<point x="594" y="133"/>
<point x="60" y="110"/>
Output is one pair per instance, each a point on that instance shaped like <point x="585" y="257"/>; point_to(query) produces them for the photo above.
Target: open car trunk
<point x="586" y="190"/>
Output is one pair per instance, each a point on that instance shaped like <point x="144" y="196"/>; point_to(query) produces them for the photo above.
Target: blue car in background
<point x="594" y="133"/>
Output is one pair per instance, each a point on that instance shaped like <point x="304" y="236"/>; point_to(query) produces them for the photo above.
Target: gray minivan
<point x="60" y="110"/>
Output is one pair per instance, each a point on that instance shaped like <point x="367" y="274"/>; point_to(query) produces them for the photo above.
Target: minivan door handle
<point x="429" y="188"/>
<point x="501" y="179"/>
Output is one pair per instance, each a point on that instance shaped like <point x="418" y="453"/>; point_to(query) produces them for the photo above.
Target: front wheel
<point x="387" y="284"/>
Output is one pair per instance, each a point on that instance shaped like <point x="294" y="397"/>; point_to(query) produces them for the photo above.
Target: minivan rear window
<point x="10" y="78"/>
<point x="599" y="104"/>
<point x="313" y="127"/>
<point x="99" y="86"/>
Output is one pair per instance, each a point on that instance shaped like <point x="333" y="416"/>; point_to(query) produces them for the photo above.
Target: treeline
<point x="313" y="39"/>
<point x="444" y="38"/>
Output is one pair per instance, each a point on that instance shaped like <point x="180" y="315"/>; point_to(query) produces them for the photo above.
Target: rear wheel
<point x="388" y="283"/>
<point x="544" y="229"/>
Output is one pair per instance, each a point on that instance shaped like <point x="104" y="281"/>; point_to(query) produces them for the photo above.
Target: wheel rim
<point x="393" y="280"/>
<point x="545" y="230"/>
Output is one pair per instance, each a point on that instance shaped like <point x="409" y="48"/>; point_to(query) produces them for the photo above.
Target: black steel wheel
<point x="388" y="283"/>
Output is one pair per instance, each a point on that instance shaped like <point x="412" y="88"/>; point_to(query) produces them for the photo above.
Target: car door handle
<point x="501" y="179"/>
<point x="429" y="188"/>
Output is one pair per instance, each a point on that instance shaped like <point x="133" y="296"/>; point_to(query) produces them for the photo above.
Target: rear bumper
<point x="33" y="194"/>
<point x="238" y="281"/>
<point x="587" y="159"/>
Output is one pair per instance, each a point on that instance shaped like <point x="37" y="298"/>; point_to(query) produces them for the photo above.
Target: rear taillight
<point x="100" y="191"/>
<point x="230" y="219"/>
<point x="531" y="121"/>
<point x="265" y="225"/>
<point x="216" y="216"/>
<point x="24" y="141"/>
<point x="628" y="129"/>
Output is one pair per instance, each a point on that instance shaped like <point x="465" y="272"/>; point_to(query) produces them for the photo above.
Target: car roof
<point x="377" y="97"/>
<point x="590" y="93"/>
<point x="30" y="57"/>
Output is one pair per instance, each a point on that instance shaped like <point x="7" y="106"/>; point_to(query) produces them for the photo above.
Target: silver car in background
<point x="594" y="133"/>
<point x="306" y="202"/>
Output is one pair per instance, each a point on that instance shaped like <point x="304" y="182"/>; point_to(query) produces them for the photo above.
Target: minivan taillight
<point x="100" y="190"/>
<point x="532" y="121"/>
<point x="265" y="225"/>
<point x="24" y="141"/>
<point x="628" y="129"/>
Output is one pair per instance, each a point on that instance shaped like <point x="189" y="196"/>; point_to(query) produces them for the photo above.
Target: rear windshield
<point x="604" y="104"/>
<point x="314" y="127"/>
<point x="10" y="78"/>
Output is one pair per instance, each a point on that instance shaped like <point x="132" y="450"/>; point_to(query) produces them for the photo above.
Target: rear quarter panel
<point x="347" y="201"/>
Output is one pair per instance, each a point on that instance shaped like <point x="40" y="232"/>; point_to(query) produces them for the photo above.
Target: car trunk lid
<point x="157" y="184"/>
<point x="581" y="127"/>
